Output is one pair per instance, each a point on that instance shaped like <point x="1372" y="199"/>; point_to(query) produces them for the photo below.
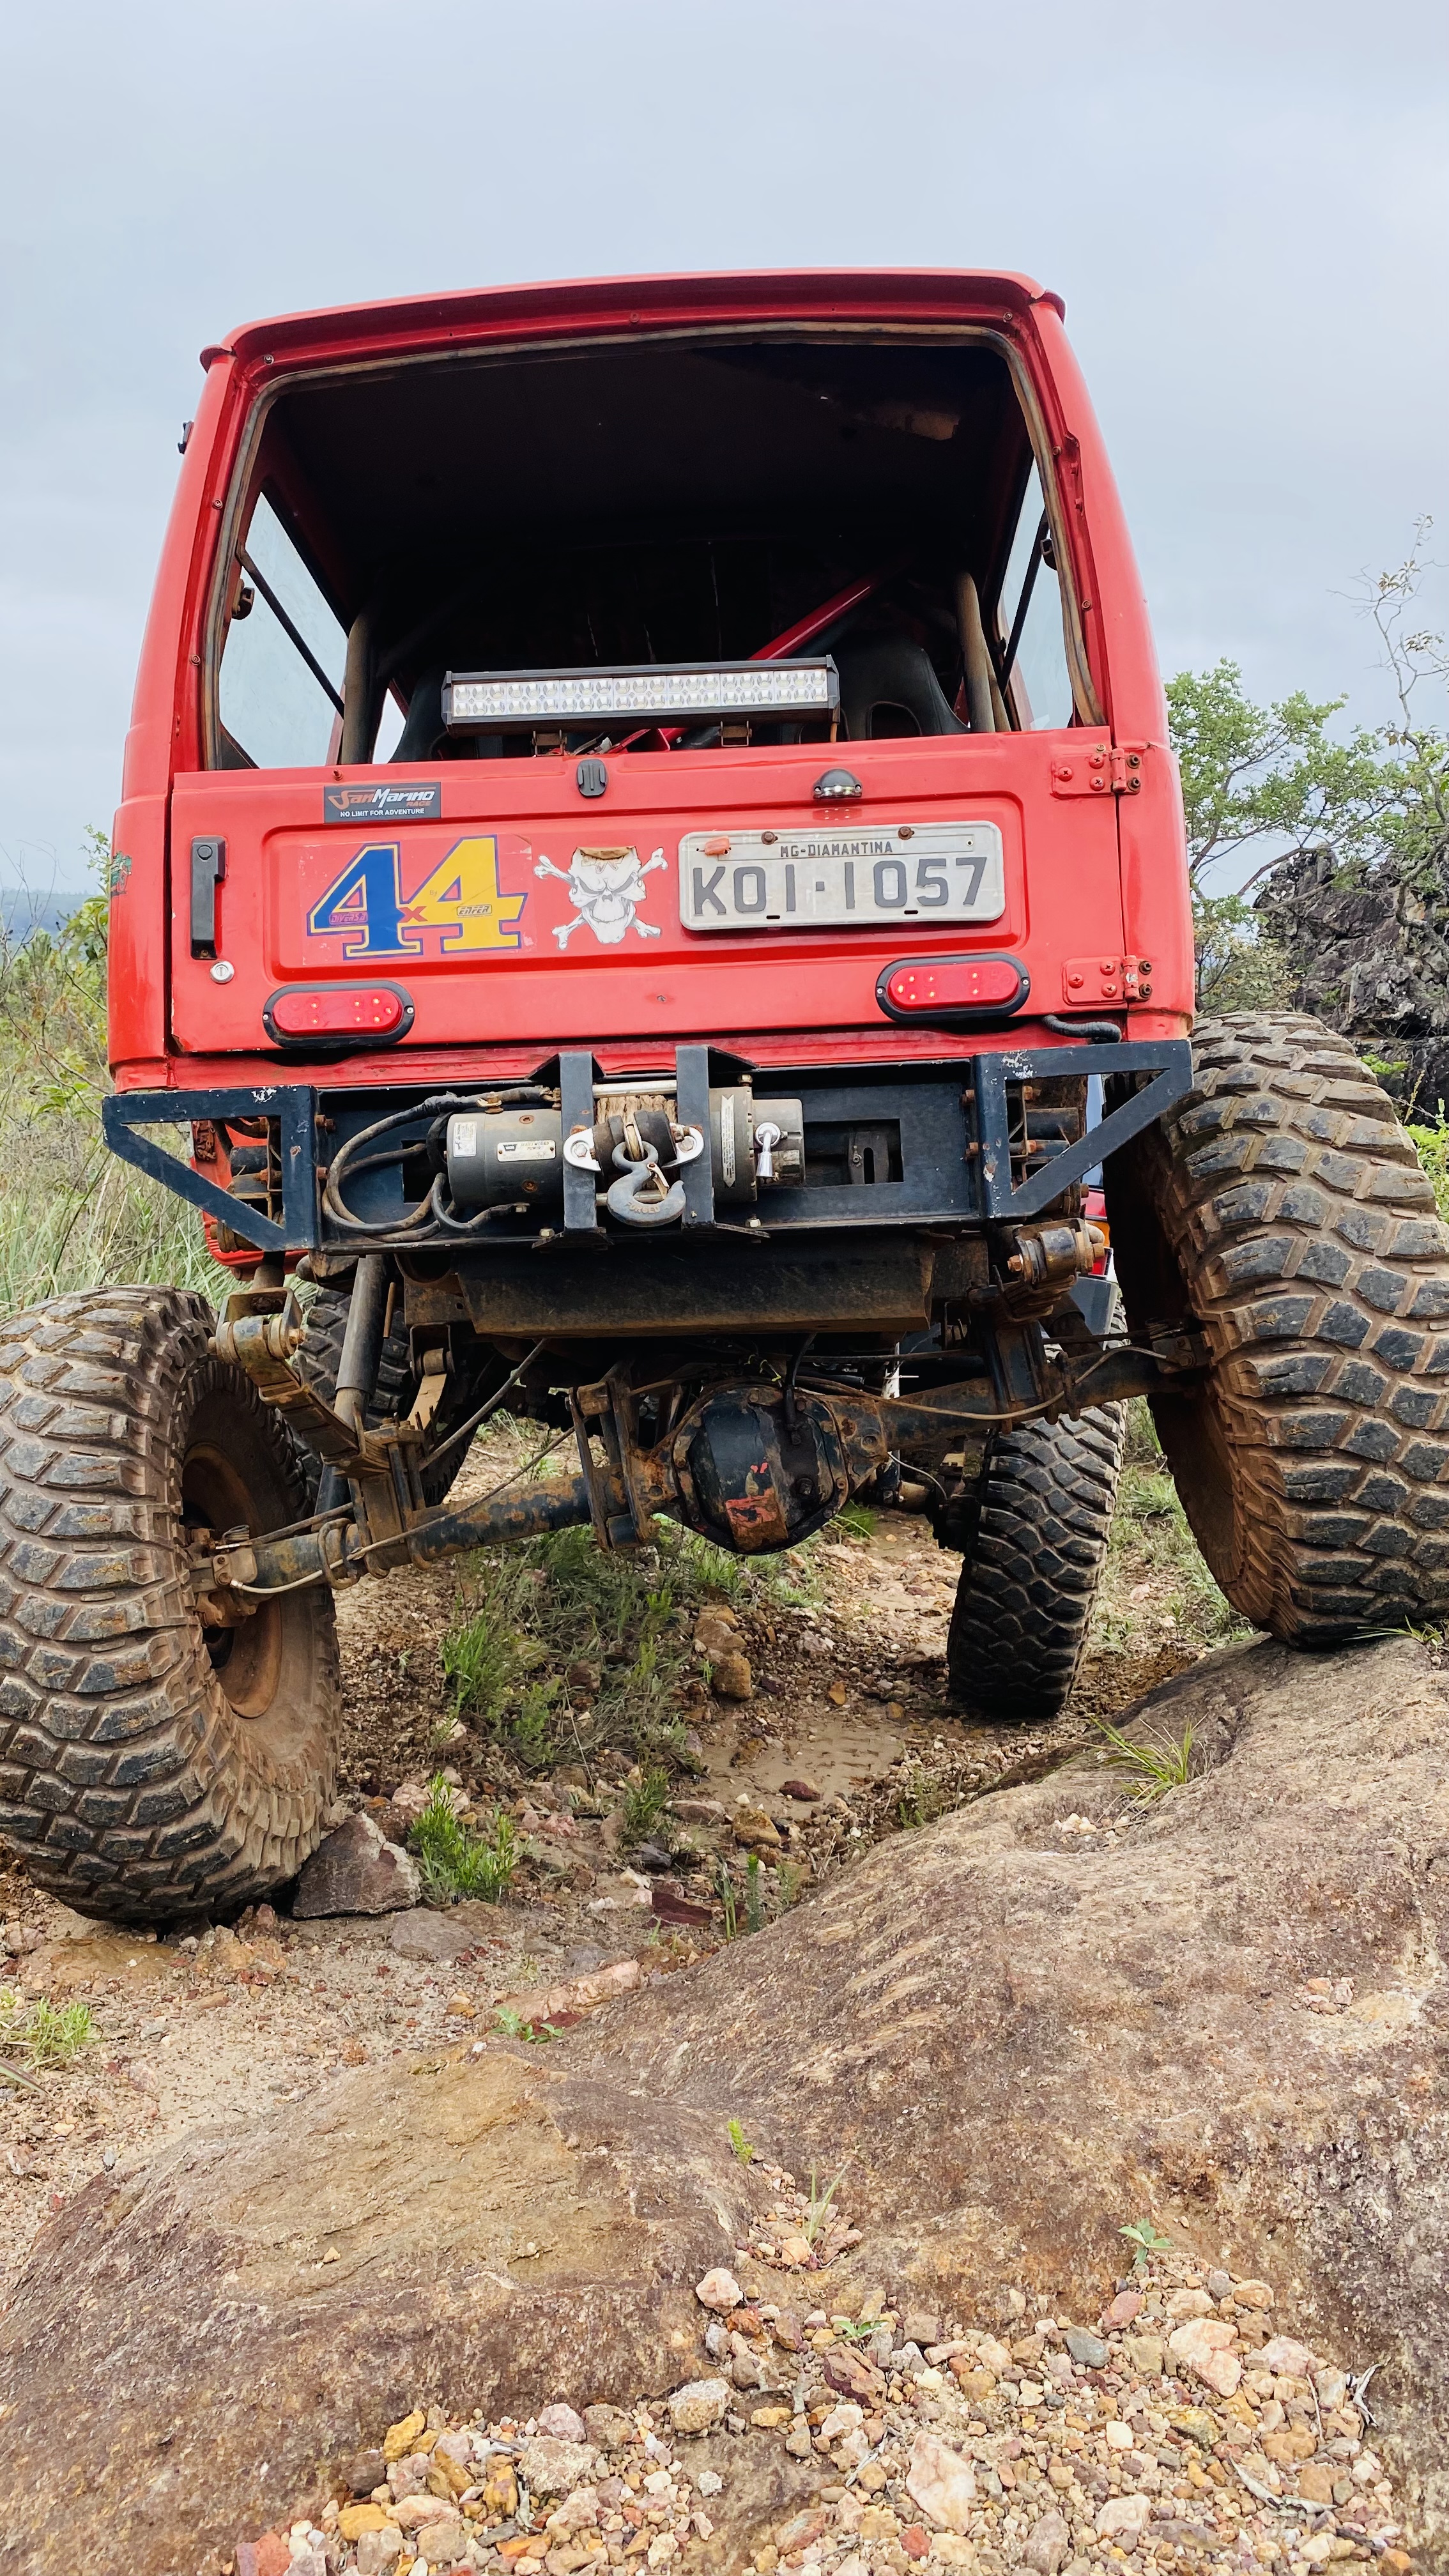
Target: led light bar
<point x="644" y="692"/>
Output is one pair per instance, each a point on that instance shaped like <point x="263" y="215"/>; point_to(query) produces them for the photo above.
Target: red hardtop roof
<point x="589" y="304"/>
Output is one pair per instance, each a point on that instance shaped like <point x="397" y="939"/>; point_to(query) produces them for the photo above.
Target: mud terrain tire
<point x="1024" y="1600"/>
<point x="149" y="1768"/>
<point x="1282" y="1206"/>
<point x="320" y="1357"/>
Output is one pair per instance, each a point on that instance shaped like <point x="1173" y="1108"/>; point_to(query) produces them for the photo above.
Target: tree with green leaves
<point x="1271" y="785"/>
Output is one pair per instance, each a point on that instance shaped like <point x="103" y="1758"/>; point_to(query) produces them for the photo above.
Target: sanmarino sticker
<point x="403" y="801"/>
<point x="457" y="909"/>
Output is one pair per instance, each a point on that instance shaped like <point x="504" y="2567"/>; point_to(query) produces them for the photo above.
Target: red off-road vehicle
<point x="650" y="866"/>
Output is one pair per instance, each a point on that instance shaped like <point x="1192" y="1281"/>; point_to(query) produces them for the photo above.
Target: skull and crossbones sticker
<point x="606" y="888"/>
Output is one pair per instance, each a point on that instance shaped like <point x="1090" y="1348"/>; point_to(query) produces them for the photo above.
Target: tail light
<point x="329" y="1018"/>
<point x="952" y="991"/>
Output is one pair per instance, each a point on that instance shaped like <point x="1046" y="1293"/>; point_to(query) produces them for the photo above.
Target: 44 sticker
<point x="459" y="900"/>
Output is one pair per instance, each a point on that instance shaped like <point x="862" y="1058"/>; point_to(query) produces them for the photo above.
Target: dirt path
<point x="847" y="1701"/>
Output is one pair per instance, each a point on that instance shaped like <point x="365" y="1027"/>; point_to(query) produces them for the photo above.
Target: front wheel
<point x="1024" y="1601"/>
<point x="150" y="1766"/>
<point x="1281" y="1207"/>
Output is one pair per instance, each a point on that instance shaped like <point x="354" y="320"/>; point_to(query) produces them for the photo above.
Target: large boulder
<point x="1014" y="2032"/>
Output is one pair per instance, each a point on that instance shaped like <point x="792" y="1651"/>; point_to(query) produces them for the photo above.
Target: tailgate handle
<point x="208" y="868"/>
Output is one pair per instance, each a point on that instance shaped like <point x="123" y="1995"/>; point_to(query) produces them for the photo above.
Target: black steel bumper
<point x="958" y="1122"/>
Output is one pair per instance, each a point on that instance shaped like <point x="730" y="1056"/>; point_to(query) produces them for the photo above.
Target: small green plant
<point x="754" y="1895"/>
<point x="531" y="1728"/>
<point x="1143" y="2237"/>
<point x="856" y="1519"/>
<point x="791" y="1875"/>
<point x="1151" y="1768"/>
<point x="512" y="2025"/>
<point x="454" y="1860"/>
<point x="728" y="1900"/>
<point x="50" y="2034"/>
<point x="642" y="1805"/>
<point x="480" y="1665"/>
<point x="819" y="2209"/>
<point x="919" y="1799"/>
<point x="739" y="2143"/>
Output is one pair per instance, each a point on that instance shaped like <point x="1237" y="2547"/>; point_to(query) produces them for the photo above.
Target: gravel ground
<point x="1181" y="2428"/>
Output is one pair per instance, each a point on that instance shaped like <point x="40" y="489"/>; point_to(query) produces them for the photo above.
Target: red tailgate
<point x="517" y="909"/>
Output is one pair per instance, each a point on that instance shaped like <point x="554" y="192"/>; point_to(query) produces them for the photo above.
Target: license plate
<point x="832" y="880"/>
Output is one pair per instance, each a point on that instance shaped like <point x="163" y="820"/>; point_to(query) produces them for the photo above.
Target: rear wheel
<point x="1281" y="1207"/>
<point x="1024" y="1602"/>
<point x="149" y="1766"/>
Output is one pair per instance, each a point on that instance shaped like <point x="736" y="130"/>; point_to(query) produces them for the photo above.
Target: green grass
<point x="740" y="2146"/>
<point x="1151" y="1768"/>
<point x="48" y="2034"/>
<point x="512" y="2025"/>
<point x="527" y="1615"/>
<point x="643" y="1804"/>
<point x="454" y="1860"/>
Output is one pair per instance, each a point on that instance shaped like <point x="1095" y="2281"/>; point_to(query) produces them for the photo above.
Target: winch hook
<point x="624" y="1197"/>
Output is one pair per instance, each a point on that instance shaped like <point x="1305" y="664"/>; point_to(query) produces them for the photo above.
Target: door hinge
<point x="1101" y="771"/>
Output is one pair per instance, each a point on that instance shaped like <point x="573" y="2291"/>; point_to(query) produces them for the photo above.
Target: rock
<point x="993" y="2355"/>
<point x="921" y="2326"/>
<point x="442" y="2542"/>
<point x="731" y="1678"/>
<point x="941" y="2483"/>
<point x="365" y="2472"/>
<point x="560" y="2423"/>
<point x="1315" y="2482"/>
<point x="1048" y="2545"/>
<point x="550" y="2468"/>
<point x="1023" y="2048"/>
<point x="538" y="2004"/>
<point x="608" y="2427"/>
<point x="356" y="1871"/>
<point x="379" y="2550"/>
<point x="1196" y="2423"/>
<point x="1088" y="2349"/>
<point x="1282" y="2353"/>
<point x="719" y="2290"/>
<point x="1201" y="2346"/>
<point x="270" y="2555"/>
<point x="805" y="1790"/>
<point x="399" y="2438"/>
<point x="845" y="2418"/>
<point x="438" y="1938"/>
<point x="851" y="2374"/>
<point x="716" y="1631"/>
<point x="1124" y="2518"/>
<point x="1145" y="2354"/>
<point x="1121" y="2312"/>
<point x="798" y="2443"/>
<point x="1252" y="2294"/>
<point x="1189" y="2303"/>
<point x="649" y="1856"/>
<point x="699" y="2405"/>
<point x="1219" y="2284"/>
<point x="701" y="1811"/>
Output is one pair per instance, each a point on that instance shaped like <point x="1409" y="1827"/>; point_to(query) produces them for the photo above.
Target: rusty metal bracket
<point x="259" y="1329"/>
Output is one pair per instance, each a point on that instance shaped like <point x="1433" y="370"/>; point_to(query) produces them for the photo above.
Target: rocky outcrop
<point x="1011" y="2033"/>
<point x="1368" y="951"/>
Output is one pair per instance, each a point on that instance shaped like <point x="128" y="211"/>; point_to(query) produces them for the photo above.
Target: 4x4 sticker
<point x="459" y="899"/>
<point x="403" y="801"/>
<point x="606" y="887"/>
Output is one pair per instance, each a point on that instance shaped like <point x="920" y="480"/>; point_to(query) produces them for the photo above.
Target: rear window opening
<point x="662" y="506"/>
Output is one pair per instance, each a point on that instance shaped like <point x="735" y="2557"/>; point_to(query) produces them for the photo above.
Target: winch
<point x="507" y="1155"/>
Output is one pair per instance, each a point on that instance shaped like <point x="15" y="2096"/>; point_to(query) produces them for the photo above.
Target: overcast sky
<point x="1246" y="215"/>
